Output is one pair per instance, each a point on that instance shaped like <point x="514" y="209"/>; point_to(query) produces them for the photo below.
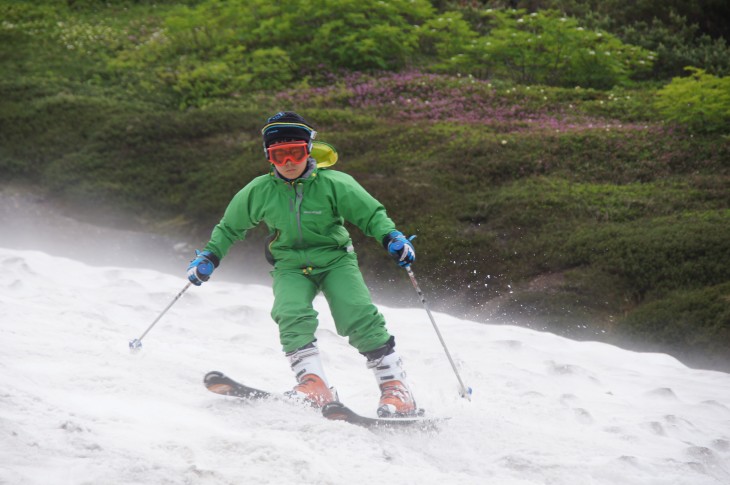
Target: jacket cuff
<point x="389" y="237"/>
<point x="211" y="257"/>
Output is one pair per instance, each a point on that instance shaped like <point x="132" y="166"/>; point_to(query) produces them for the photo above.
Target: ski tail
<point x="220" y="383"/>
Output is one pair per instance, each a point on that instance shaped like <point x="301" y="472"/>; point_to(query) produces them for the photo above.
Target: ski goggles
<point x="295" y="152"/>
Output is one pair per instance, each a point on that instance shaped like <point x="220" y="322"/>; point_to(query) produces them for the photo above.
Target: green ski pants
<point x="349" y="300"/>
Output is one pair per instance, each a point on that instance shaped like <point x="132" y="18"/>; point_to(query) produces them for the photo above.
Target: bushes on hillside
<point x="678" y="44"/>
<point x="693" y="325"/>
<point x="215" y="50"/>
<point x="686" y="250"/>
<point x="547" y="48"/>
<point x="205" y="51"/>
<point x="705" y="16"/>
<point x="686" y="33"/>
<point x="700" y="101"/>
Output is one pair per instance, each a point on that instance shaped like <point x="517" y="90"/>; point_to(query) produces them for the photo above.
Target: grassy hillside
<point x="566" y="208"/>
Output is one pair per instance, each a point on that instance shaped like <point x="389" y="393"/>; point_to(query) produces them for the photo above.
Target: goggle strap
<point x="312" y="132"/>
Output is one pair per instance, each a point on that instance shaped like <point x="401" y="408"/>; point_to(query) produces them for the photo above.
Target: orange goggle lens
<point x="295" y="152"/>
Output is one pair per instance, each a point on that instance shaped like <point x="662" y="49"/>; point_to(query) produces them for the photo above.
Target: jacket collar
<point x="311" y="168"/>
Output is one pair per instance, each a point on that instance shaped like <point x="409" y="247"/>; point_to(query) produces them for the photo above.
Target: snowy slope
<point x="77" y="408"/>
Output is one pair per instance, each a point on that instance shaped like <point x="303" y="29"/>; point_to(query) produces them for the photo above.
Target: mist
<point x="33" y="221"/>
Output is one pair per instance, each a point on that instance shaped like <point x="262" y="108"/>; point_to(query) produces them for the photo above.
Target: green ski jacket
<point x="305" y="218"/>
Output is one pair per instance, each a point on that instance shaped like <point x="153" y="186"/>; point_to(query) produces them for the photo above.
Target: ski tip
<point x="212" y="375"/>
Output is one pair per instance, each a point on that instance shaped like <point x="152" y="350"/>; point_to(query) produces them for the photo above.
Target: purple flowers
<point x="419" y="96"/>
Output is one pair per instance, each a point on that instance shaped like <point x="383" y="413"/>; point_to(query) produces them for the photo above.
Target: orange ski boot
<point x="313" y="390"/>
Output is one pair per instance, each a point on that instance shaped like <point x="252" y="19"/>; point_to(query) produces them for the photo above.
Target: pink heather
<point x="418" y="96"/>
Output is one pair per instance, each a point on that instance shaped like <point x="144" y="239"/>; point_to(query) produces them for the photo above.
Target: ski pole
<point x="464" y="391"/>
<point x="136" y="344"/>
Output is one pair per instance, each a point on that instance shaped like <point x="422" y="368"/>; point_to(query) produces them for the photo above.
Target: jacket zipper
<point x="299" y="191"/>
<point x="298" y="204"/>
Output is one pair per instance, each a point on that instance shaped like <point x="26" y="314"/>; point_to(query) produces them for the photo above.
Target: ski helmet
<point x="287" y="125"/>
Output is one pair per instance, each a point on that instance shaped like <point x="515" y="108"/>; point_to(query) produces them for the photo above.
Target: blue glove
<point x="400" y="248"/>
<point x="202" y="267"/>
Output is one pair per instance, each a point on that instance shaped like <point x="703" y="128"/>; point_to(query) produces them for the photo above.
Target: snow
<point x="76" y="407"/>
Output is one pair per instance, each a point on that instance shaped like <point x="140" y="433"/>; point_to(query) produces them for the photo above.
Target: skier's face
<point x="291" y="170"/>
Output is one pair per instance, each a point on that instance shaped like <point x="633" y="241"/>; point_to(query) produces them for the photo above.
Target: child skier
<point x="305" y="208"/>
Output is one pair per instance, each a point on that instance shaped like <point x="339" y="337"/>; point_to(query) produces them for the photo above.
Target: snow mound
<point x="77" y="408"/>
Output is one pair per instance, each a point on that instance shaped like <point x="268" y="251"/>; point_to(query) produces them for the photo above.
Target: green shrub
<point x="613" y="13"/>
<point x="216" y="50"/>
<point x="41" y="120"/>
<point x="688" y="250"/>
<point x="700" y="101"/>
<point x="693" y="325"/>
<point x="679" y="33"/>
<point x="678" y="44"/>
<point x="445" y="37"/>
<point x="546" y="48"/>
<point x="551" y="202"/>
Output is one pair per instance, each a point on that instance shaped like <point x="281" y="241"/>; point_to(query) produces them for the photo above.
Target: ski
<point x="337" y="411"/>
<point x="222" y="384"/>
